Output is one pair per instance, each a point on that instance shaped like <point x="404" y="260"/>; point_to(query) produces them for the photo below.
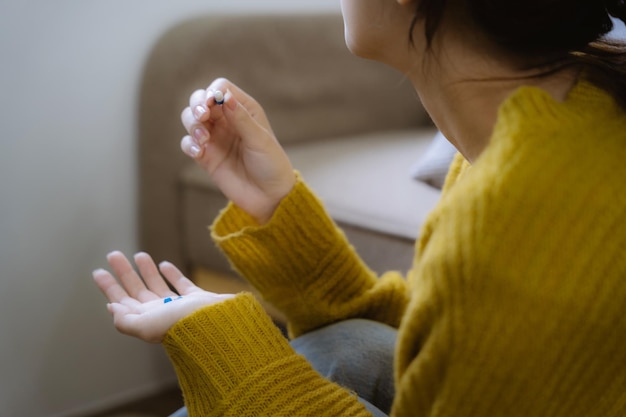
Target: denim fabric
<point x="356" y="354"/>
<point x="180" y="413"/>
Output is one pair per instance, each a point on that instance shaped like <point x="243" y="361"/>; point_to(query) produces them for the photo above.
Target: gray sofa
<point x="352" y="127"/>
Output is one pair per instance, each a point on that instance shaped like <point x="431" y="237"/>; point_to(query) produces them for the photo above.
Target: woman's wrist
<point x="263" y="213"/>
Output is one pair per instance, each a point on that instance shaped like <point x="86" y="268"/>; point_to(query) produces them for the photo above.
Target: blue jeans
<point x="356" y="354"/>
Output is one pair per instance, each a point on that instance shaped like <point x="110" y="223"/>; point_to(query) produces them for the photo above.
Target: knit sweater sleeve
<point x="232" y="361"/>
<point x="302" y="263"/>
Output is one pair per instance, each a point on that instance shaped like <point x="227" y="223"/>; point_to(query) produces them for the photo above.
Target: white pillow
<point x="432" y="167"/>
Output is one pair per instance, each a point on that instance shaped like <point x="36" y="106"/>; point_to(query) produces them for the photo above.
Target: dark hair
<point x="554" y="33"/>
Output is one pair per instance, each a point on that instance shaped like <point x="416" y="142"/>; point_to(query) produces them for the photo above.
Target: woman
<point x="516" y="301"/>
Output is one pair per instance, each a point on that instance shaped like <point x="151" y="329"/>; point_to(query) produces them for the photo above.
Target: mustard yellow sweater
<point x="515" y="305"/>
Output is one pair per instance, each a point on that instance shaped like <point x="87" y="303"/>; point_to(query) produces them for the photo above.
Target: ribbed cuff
<point x="298" y="237"/>
<point x="232" y="361"/>
<point x="218" y="347"/>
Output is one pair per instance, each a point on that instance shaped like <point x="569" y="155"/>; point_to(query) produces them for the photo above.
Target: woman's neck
<point x="462" y="87"/>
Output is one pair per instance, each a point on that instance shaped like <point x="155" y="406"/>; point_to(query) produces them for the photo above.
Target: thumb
<point x="243" y="122"/>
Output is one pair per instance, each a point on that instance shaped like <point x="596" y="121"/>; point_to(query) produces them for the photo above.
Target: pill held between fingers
<point x="219" y="97"/>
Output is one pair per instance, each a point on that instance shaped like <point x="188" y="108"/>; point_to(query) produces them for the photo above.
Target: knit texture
<point x="515" y="305"/>
<point x="231" y="360"/>
<point x="316" y="276"/>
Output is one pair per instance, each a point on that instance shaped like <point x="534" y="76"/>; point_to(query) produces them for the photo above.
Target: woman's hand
<point x="142" y="304"/>
<point x="235" y="144"/>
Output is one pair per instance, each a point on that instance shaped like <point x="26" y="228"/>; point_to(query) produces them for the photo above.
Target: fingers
<point x="197" y="119"/>
<point x="196" y="129"/>
<point x="198" y="105"/>
<point x="129" y="279"/>
<point x="182" y="284"/>
<point x="203" y="110"/>
<point x="131" y="288"/>
<point x="205" y="120"/>
<point x="242" y="121"/>
<point x="191" y="148"/>
<point x="224" y="85"/>
<point x="111" y="289"/>
<point x="216" y="108"/>
<point x="151" y="276"/>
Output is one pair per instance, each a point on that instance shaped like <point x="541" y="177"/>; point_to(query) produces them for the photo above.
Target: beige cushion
<point x="432" y="166"/>
<point x="364" y="181"/>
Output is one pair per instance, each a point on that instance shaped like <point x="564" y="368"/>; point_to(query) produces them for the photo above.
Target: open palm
<point x="142" y="303"/>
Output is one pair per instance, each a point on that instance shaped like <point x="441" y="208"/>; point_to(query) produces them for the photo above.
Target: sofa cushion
<point x="433" y="165"/>
<point x="364" y="180"/>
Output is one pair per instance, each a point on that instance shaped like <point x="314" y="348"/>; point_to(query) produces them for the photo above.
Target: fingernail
<point x="194" y="151"/>
<point x="114" y="253"/>
<point x="201" y="135"/>
<point x="164" y="264"/>
<point x="140" y="255"/>
<point x="97" y="272"/>
<point x="230" y="101"/>
<point x="198" y="112"/>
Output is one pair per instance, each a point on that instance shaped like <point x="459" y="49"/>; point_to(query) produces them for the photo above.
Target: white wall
<point x="69" y="73"/>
